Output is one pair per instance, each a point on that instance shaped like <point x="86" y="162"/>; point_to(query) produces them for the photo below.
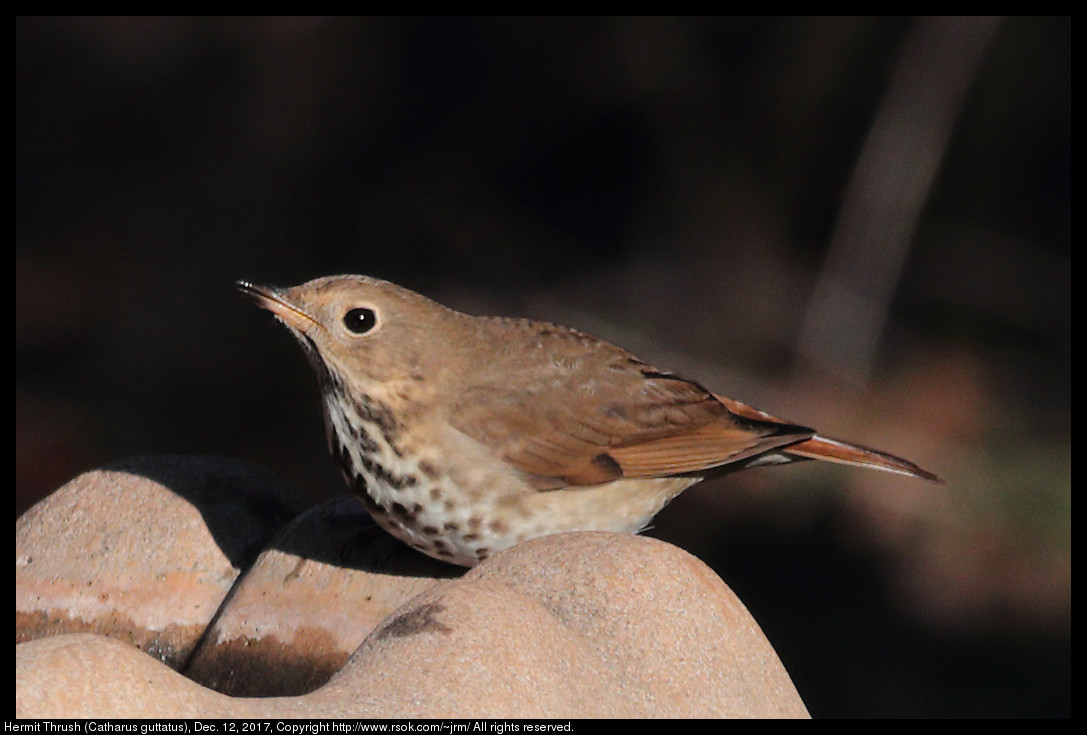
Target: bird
<point x="465" y="435"/>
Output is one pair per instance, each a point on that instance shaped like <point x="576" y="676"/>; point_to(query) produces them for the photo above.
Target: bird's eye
<point x="360" y="320"/>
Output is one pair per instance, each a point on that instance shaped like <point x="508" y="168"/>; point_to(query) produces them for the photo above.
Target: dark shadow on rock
<point x="243" y="504"/>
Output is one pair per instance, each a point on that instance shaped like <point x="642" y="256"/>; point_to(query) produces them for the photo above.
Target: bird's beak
<point x="273" y="299"/>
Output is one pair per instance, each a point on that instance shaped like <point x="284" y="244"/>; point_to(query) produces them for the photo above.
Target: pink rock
<point x="144" y="550"/>
<point x="569" y="626"/>
<point x="314" y="594"/>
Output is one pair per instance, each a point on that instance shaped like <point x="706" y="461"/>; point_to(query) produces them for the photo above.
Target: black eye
<point x="360" y="320"/>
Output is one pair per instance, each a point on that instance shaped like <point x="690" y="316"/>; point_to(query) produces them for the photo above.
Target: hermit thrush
<point x="465" y="435"/>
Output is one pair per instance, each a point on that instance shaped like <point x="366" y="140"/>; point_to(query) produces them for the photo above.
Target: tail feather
<point x="835" y="450"/>
<point x="832" y="450"/>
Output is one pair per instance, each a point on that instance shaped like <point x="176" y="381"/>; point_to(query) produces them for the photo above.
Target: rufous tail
<point x="834" y="450"/>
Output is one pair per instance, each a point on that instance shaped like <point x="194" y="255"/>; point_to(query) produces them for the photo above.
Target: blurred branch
<point x="893" y="177"/>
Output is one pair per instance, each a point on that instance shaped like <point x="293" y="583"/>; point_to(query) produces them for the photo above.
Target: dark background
<point x="861" y="224"/>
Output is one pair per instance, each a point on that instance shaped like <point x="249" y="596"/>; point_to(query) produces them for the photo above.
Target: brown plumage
<point x="468" y="434"/>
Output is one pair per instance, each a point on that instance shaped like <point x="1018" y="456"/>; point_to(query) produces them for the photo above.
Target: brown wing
<point x="574" y="429"/>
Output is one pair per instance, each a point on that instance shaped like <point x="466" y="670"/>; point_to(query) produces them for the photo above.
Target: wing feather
<point x="642" y="424"/>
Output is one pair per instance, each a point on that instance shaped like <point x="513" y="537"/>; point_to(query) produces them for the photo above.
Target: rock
<point x="578" y="625"/>
<point x="567" y="626"/>
<point x="144" y="550"/>
<point x="319" y="588"/>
